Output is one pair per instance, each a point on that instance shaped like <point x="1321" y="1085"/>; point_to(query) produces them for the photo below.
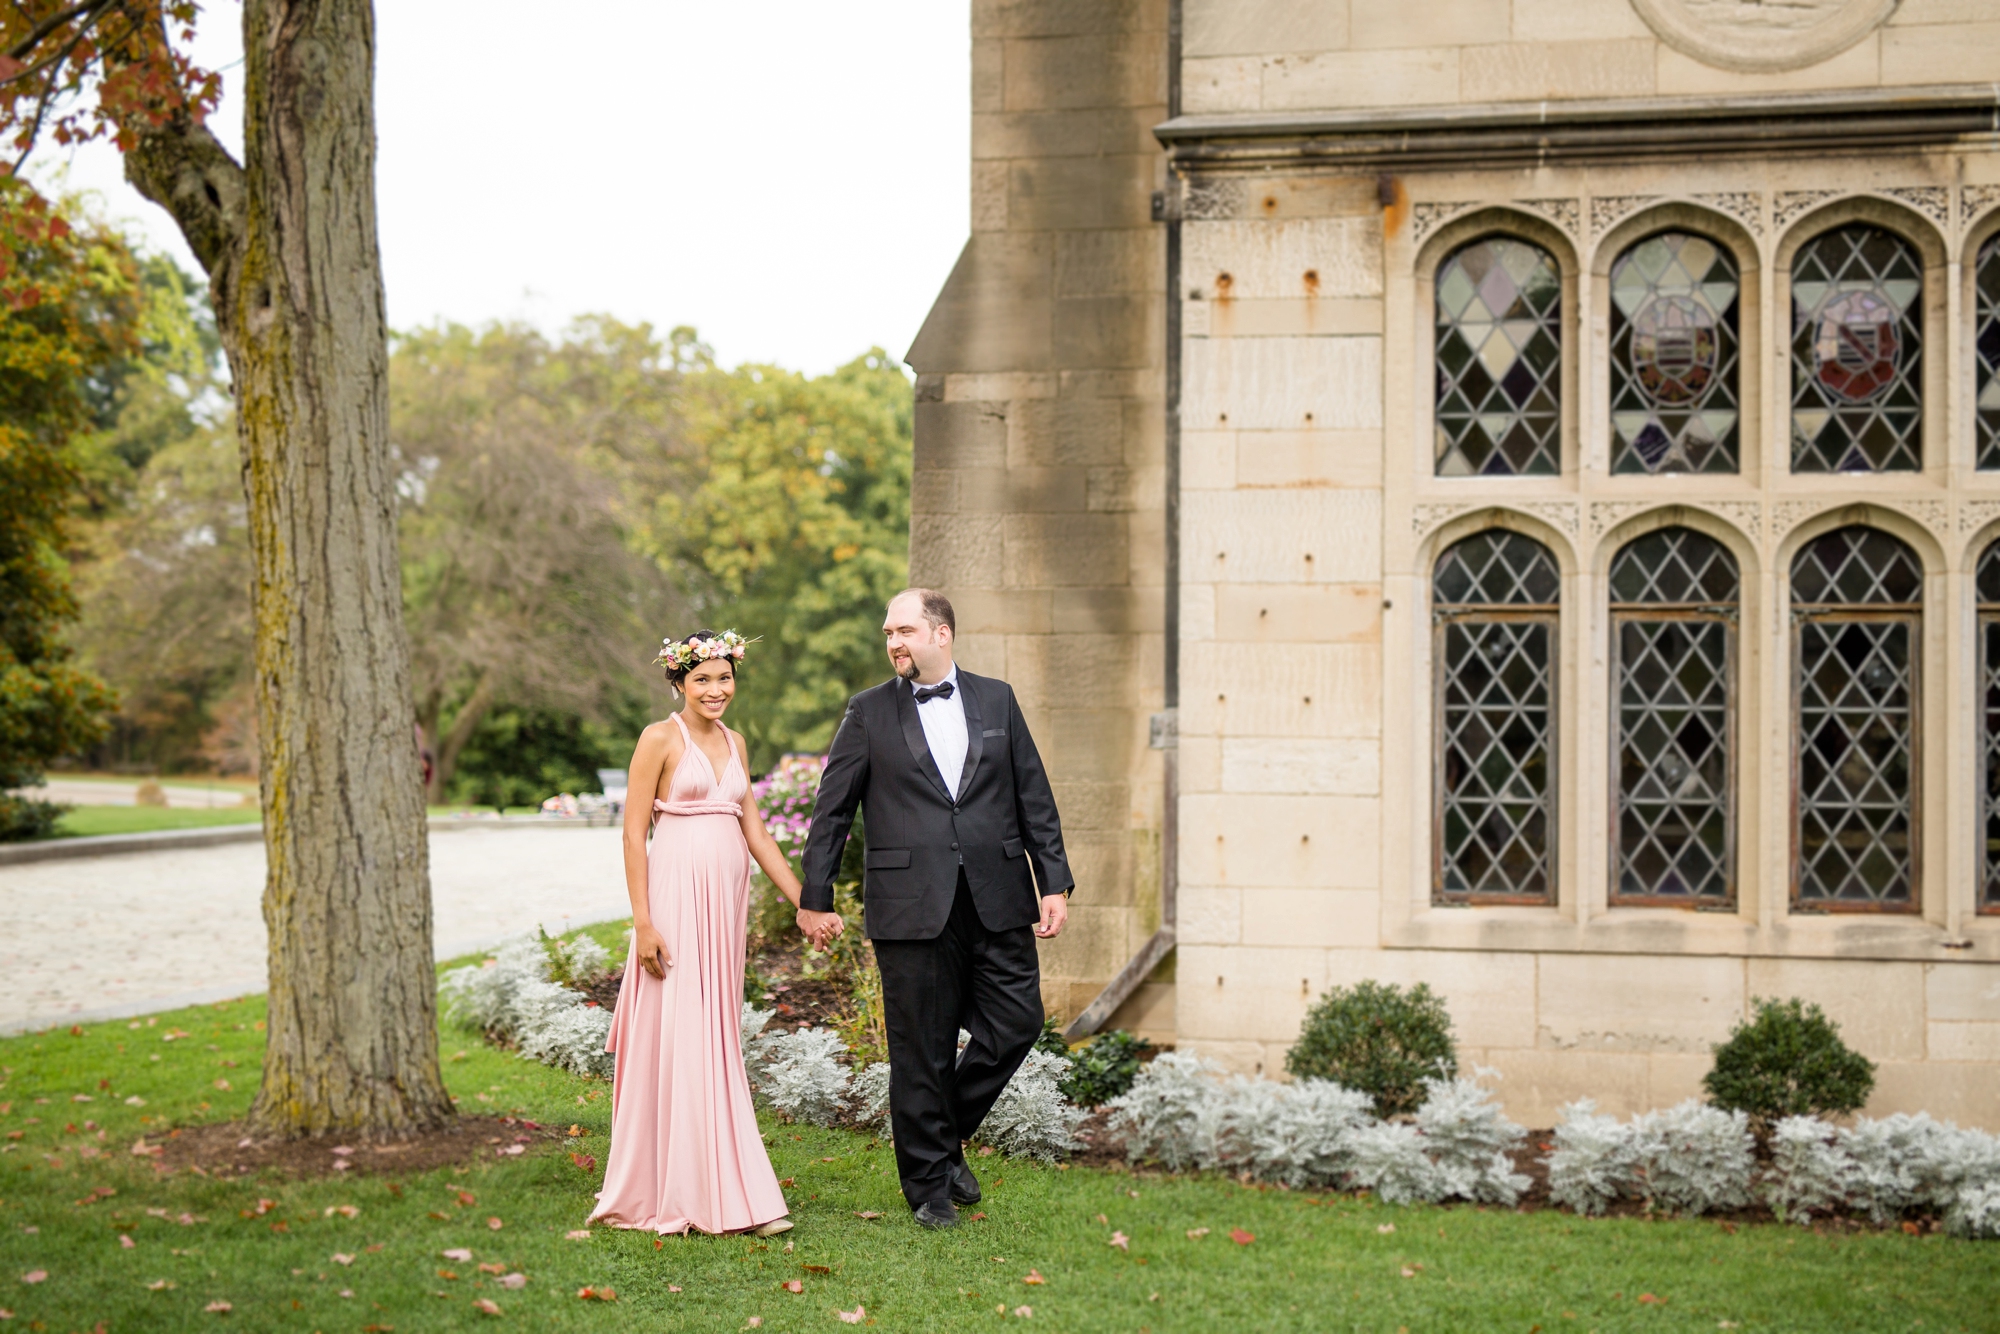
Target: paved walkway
<point x="99" y="792"/>
<point x="100" y="937"/>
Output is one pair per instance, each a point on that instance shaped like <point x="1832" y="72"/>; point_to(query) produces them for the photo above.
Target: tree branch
<point x="23" y="48"/>
<point x="184" y="169"/>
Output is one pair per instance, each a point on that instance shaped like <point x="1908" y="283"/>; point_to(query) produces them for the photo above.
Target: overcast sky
<point x="788" y="176"/>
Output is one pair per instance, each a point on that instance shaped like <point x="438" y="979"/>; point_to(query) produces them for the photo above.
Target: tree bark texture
<point x="288" y="238"/>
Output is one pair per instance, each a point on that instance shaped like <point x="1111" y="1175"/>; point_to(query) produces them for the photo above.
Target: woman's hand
<point x="652" y="950"/>
<point x="820" y="927"/>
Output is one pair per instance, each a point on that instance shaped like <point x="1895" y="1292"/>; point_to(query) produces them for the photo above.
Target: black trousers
<point x="986" y="982"/>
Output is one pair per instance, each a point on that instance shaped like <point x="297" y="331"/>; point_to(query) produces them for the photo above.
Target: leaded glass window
<point x="1857" y="603"/>
<point x="1499" y="361"/>
<point x="1674" y="595"/>
<point x="1989" y="729"/>
<point x="1857" y="352"/>
<point x="1986" y="351"/>
<point x="1494" y="604"/>
<point x="1674" y="357"/>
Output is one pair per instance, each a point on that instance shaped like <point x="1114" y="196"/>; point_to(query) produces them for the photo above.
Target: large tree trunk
<point x="288" y="239"/>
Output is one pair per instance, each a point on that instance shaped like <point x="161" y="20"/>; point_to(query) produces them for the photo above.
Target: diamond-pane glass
<point x="1856" y="701"/>
<point x="1989" y="753"/>
<point x="1499" y="361"/>
<point x="1674" y="357"/>
<point x="1496" y="567"/>
<point x="1857" y="352"/>
<point x="1988" y="580"/>
<point x="1495" y="594"/>
<point x="1856" y="567"/>
<point x="1986" y="352"/>
<point x="1673" y="593"/>
<point x="1498" y="733"/>
<point x="1856" y="718"/>
<point x="1674" y="567"/>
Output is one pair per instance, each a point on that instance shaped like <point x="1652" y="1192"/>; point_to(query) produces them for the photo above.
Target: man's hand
<point x="1055" y="912"/>
<point x="820" y="927"/>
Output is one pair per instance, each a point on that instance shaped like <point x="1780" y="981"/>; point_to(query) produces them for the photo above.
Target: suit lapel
<point x="913" y="737"/>
<point x="970" y="695"/>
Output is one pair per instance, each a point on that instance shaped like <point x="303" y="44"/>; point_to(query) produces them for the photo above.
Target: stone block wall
<point x="1039" y="485"/>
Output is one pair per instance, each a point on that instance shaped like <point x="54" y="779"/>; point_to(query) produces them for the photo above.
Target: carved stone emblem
<point x="1762" y="34"/>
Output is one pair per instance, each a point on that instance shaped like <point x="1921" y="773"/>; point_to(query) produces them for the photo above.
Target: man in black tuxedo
<point x="958" y="806"/>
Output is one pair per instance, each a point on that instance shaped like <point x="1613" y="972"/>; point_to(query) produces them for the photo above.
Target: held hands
<point x="1055" y="912"/>
<point x="820" y="927"/>
<point x="651" y="949"/>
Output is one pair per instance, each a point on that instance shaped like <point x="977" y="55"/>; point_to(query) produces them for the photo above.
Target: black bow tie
<point x="942" y="690"/>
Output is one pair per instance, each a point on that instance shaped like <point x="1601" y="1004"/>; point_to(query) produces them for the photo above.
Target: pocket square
<point x="994" y="731"/>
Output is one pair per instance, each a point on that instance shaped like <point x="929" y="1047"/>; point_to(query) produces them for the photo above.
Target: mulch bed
<point x="228" y="1148"/>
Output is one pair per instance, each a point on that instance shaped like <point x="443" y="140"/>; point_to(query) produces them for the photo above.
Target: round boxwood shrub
<point x="1788" y="1060"/>
<point x="1378" y="1039"/>
<point x="1103" y="1068"/>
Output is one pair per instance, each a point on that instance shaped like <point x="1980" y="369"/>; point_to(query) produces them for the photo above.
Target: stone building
<point x="1541" y="460"/>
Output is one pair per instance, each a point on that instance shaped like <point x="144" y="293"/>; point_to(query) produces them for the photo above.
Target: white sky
<point x="788" y="176"/>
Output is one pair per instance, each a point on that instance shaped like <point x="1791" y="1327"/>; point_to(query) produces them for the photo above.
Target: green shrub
<point x="1788" y="1060"/>
<point x="1103" y="1068"/>
<point x="22" y="818"/>
<point x="1051" y="1039"/>
<point x="1378" y="1039"/>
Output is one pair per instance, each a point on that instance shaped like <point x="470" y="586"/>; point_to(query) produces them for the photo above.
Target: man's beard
<point x="909" y="671"/>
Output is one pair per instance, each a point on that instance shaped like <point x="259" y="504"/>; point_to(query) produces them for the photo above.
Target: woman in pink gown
<point x="685" y="1149"/>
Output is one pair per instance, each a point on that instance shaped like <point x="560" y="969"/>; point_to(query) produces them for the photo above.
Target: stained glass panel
<point x="1856" y="591"/>
<point x="1988" y="585"/>
<point x="1674" y="357"/>
<point x="1495" y="597"/>
<point x="1499" y="361"/>
<point x="1674" y="633"/>
<point x="1986" y="352"/>
<point x="1857" y="352"/>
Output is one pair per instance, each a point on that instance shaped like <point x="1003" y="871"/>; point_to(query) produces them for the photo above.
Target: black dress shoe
<point x="964" y="1185"/>
<point x="936" y="1214"/>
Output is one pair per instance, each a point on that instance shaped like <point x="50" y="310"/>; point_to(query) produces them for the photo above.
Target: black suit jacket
<point x="1005" y="816"/>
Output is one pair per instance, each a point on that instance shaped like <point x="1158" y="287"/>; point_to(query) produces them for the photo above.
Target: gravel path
<point x="100" y="937"/>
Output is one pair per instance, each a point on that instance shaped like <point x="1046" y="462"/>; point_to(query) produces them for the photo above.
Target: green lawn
<point x="84" y="821"/>
<point x="1316" y="1262"/>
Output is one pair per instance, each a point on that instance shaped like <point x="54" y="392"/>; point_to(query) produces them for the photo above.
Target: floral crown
<point x="684" y="655"/>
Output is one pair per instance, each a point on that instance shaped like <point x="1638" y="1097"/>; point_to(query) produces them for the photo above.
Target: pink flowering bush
<point x="784" y="798"/>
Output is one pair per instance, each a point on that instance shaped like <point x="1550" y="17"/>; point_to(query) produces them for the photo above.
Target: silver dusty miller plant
<point x="510" y="997"/>
<point x="1594" y="1161"/>
<point x="1031" y="1118"/>
<point x="868" y="1100"/>
<point x="1470" y="1142"/>
<point x="1811" y="1171"/>
<point x="1693" y="1158"/>
<point x="800" y="1074"/>
<point x="1159" y="1117"/>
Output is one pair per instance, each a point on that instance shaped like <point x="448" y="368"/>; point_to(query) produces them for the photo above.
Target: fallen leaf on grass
<point x="492" y="1269"/>
<point x="583" y="1160"/>
<point x="826" y="1160"/>
<point x="135" y="1101"/>
<point x="1034" y="1278"/>
<point x="673" y="1287"/>
<point x="1121" y="1241"/>
<point x="1386" y="1228"/>
<point x="1024" y="1311"/>
<point x="126" y="1242"/>
<point x="975" y="1218"/>
<point x="792" y="1285"/>
<point x="1102" y="1219"/>
<point x="581" y="1234"/>
<point x="448" y="1275"/>
<point x="495" y="1224"/>
<point x="486" y="1305"/>
<point x="788" y="1181"/>
<point x="866" y="1213"/>
<point x="514" y="1280"/>
<point x="753" y="1322"/>
<point x="161" y="1285"/>
<point x="854" y="1317"/>
<point x="467" y="1198"/>
<point x="344" y="1210"/>
<point x="1409" y="1272"/>
<point x="218" y="1308"/>
<point x="35" y="1276"/>
<point x="986" y="1151"/>
<point x="597" y="1294"/>
<point x="1648" y="1299"/>
<point x="1197" y="1233"/>
<point x="1240" y="1237"/>
<point x="458" y="1253"/>
<point x="341" y="1258"/>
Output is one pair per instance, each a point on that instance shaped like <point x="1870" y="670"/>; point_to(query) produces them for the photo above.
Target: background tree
<point x="799" y="532"/>
<point x="75" y="311"/>
<point x="520" y="587"/>
<point x="287" y="239"/>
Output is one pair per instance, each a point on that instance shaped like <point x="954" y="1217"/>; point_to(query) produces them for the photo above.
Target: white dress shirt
<point x="944" y="730"/>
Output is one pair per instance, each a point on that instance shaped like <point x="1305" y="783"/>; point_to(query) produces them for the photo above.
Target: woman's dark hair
<point x="677" y="676"/>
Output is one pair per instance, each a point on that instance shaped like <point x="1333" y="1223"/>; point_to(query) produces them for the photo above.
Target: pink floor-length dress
<point x="685" y="1148"/>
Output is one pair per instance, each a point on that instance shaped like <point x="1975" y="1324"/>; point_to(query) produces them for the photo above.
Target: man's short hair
<point x="937" y="608"/>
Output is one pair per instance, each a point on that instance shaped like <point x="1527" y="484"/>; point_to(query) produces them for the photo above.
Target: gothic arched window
<point x="1986" y="353"/>
<point x="1499" y="360"/>
<point x="1988" y="584"/>
<point x="1857" y="604"/>
<point x="1674" y="356"/>
<point x="1857" y="352"/>
<point x="1495" y="598"/>
<point x="1674" y="595"/>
